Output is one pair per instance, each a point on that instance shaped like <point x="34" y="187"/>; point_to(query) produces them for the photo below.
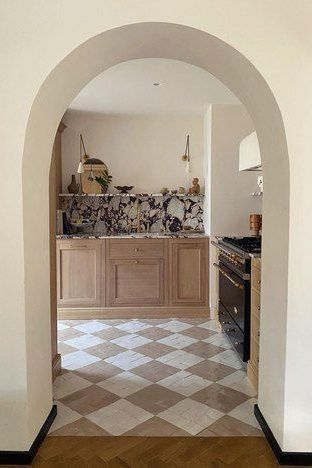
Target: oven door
<point x="232" y="294"/>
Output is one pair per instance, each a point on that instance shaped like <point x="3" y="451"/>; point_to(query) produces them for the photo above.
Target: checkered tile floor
<point x="150" y="377"/>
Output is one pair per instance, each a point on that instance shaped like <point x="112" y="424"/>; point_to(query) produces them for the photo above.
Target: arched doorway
<point x="162" y="40"/>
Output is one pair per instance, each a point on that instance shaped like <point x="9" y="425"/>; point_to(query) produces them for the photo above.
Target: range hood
<point x="249" y="154"/>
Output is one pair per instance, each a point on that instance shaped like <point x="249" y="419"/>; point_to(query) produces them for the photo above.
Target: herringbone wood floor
<point x="155" y="452"/>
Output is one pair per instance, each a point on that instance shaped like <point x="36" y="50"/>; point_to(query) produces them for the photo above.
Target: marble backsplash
<point x="117" y="213"/>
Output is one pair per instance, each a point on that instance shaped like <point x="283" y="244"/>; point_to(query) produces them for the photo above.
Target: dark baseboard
<point x="25" y="458"/>
<point x="284" y="458"/>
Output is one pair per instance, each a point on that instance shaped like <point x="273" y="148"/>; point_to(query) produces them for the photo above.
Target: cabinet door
<point x="134" y="282"/>
<point x="79" y="273"/>
<point x="188" y="272"/>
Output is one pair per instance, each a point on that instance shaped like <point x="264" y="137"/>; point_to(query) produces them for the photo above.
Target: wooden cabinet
<point x="136" y="272"/>
<point x="253" y="363"/>
<point x="121" y="277"/>
<point x="188" y="272"/>
<point x="136" y="282"/>
<point x="79" y="278"/>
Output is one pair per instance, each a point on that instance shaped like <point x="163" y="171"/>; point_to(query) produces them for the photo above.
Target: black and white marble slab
<point x="118" y="213"/>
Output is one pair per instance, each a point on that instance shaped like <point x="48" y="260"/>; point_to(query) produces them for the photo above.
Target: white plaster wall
<point x="34" y="40"/>
<point x="230" y="190"/>
<point x="144" y="151"/>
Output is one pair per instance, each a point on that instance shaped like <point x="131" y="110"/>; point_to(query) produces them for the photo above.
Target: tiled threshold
<point x="151" y="378"/>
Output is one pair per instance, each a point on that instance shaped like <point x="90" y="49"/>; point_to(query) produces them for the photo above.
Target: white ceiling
<point x="127" y="88"/>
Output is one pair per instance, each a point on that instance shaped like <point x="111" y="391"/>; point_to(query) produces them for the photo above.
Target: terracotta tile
<point x="156" y="427"/>
<point x="198" y="333"/>
<point x="110" y="333"/>
<point x="98" y="371"/>
<point x="228" y="426"/>
<point x="105" y="350"/>
<point x="155" y="398"/>
<point x="195" y="320"/>
<point x="82" y="427"/>
<point x="202" y="349"/>
<point x="154" y="333"/>
<point x="69" y="333"/>
<point x="64" y="348"/>
<point x="89" y="400"/>
<point x="154" y="350"/>
<point x="211" y="370"/>
<point x="220" y="398"/>
<point x="154" y="371"/>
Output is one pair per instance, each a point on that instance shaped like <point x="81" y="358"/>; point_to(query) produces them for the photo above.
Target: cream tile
<point x="245" y="413"/>
<point x="124" y="384"/>
<point x="228" y="358"/>
<point x="77" y="360"/>
<point x="185" y="383"/>
<point x="177" y="341"/>
<point x="191" y="416"/>
<point x="93" y="326"/>
<point x="128" y="360"/>
<point x="61" y="326"/>
<point x="175" y="326"/>
<point x="210" y="325"/>
<point x="68" y="383"/>
<point x="238" y="381"/>
<point x="131" y="341"/>
<point x="119" y="417"/>
<point x="180" y="359"/>
<point x="219" y="339"/>
<point x="64" y="416"/>
<point x="133" y="326"/>
<point x="84" y="341"/>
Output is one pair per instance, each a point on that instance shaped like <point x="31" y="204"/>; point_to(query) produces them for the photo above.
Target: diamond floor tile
<point x="151" y="377"/>
<point x="119" y="417"/>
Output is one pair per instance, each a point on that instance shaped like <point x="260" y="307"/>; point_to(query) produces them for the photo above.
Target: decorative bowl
<point x="123" y="188"/>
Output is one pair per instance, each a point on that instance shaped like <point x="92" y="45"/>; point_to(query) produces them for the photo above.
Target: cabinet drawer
<point x="256" y="279"/>
<point x="255" y="303"/>
<point x="125" y="248"/>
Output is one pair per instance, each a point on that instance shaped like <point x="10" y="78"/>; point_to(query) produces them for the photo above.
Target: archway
<point x="161" y="40"/>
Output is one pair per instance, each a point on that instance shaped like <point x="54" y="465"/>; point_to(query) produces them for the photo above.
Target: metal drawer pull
<point x="258" y="307"/>
<point x="136" y="250"/>
<point x="230" y="330"/>
<point x="259" y="281"/>
<point x="237" y="285"/>
<point x="136" y="261"/>
<point x="237" y="343"/>
<point x="226" y="323"/>
<point x="235" y="310"/>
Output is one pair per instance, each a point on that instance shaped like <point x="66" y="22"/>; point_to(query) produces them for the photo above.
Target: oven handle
<point x="236" y="284"/>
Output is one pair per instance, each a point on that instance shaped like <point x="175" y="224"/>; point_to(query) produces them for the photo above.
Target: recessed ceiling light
<point x="156" y="83"/>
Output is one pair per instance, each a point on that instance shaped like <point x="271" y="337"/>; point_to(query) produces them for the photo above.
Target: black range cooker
<point x="234" y="264"/>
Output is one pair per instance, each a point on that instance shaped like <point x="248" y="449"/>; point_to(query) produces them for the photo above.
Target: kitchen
<point x="149" y="253"/>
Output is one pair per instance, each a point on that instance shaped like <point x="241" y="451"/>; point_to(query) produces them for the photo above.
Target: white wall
<point x="259" y="71"/>
<point x="144" y="151"/>
<point x="230" y="191"/>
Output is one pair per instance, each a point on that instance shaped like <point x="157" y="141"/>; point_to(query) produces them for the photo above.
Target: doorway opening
<point x="124" y="347"/>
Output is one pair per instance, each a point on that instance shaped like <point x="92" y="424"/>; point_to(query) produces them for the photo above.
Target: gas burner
<point x="247" y="244"/>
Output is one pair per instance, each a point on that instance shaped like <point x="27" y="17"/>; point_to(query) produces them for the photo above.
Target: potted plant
<point x="104" y="180"/>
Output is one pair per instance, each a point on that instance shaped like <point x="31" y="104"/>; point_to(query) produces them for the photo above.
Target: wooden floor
<point x="155" y="452"/>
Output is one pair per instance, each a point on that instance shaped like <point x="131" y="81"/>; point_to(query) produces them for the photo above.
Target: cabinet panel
<point x="79" y="273"/>
<point x="136" y="248"/>
<point x="188" y="272"/>
<point x="136" y="282"/>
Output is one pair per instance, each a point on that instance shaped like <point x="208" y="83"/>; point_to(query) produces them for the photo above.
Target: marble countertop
<point x="134" y="235"/>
